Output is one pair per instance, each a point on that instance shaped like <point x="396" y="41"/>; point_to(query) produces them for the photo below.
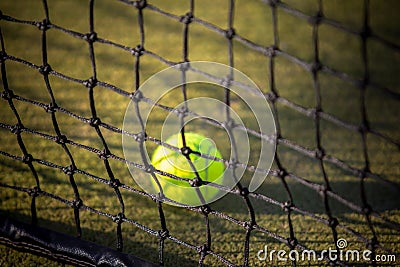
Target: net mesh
<point x="357" y="159"/>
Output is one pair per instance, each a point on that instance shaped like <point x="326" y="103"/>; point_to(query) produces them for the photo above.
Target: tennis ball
<point x="174" y="162"/>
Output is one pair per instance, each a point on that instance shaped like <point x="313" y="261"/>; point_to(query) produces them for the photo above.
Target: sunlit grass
<point x="118" y="22"/>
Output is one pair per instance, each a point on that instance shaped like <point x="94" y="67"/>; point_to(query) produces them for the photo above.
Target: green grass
<point x="118" y="22"/>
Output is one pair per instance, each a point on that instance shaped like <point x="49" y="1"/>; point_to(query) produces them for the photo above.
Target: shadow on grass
<point x="380" y="197"/>
<point x="132" y="246"/>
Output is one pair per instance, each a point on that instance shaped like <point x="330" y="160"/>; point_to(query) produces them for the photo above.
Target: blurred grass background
<point x="117" y="22"/>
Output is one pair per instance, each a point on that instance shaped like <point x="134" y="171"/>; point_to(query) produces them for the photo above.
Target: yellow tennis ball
<point x="174" y="162"/>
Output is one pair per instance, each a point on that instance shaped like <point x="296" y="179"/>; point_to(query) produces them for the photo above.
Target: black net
<point x="329" y="71"/>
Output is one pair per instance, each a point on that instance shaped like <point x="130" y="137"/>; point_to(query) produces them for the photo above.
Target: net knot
<point x="186" y="151"/>
<point x="366" y="32"/>
<point x="90" y="37"/>
<point x="272" y="96"/>
<point x="33" y="192"/>
<point x="232" y="164"/>
<point x="364" y="127"/>
<point x="115" y="183"/>
<point x="45" y="69"/>
<point x="319" y="153"/>
<point x="230" y="33"/>
<point x="183" y="111"/>
<point x="137" y="51"/>
<point x="248" y="225"/>
<point x="42" y="25"/>
<point x="90" y="83"/>
<point x="315" y="20"/>
<point x="69" y="170"/>
<point x="7" y="95"/>
<point x="119" y="218"/>
<point x="27" y="159"/>
<point x="159" y="197"/>
<point x="205" y="209"/>
<point x="321" y="189"/>
<point x="287" y="206"/>
<point x="196" y="182"/>
<point x="187" y="18"/>
<point x="229" y="124"/>
<point x="184" y="65"/>
<point x="333" y="222"/>
<point x="149" y="169"/>
<point x="282" y="173"/>
<point x="77" y="203"/>
<point x="271" y="51"/>
<point x="272" y="3"/>
<point x="3" y="56"/>
<point x="367" y="209"/>
<point x="61" y="139"/>
<point x="95" y="122"/>
<point x="366" y="170"/>
<point x="163" y="234"/>
<point x="137" y="96"/>
<point x="316" y="66"/>
<point x="361" y="174"/>
<point x="251" y="168"/>
<point x="244" y="192"/>
<point x="16" y="129"/>
<point x="275" y="137"/>
<point x="203" y="250"/>
<point x="292" y="242"/>
<point x="364" y="83"/>
<point x="140" y="137"/>
<point x="372" y="244"/>
<point x="104" y="154"/>
<point x="227" y="81"/>
<point x="313" y="113"/>
<point x="140" y="4"/>
<point x="51" y="108"/>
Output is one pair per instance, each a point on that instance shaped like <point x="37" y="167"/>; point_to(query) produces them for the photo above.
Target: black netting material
<point x="317" y="114"/>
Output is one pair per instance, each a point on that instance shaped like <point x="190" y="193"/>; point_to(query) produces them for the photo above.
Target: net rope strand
<point x="44" y="70"/>
<point x="229" y="126"/>
<point x="27" y="158"/>
<point x="95" y="121"/>
<point x="316" y="113"/>
<point x="365" y="124"/>
<point x="333" y="222"/>
<point x="163" y="233"/>
<point x="287" y="206"/>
